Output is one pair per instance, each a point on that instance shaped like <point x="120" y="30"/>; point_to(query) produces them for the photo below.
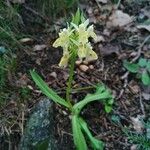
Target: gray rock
<point x="39" y="128"/>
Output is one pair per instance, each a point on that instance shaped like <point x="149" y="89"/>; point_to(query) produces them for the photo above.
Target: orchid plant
<point x="75" y="43"/>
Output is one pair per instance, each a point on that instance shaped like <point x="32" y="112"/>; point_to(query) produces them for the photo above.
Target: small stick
<point x="141" y="104"/>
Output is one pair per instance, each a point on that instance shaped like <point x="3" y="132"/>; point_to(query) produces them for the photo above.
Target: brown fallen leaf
<point x="137" y="123"/>
<point x="146" y="27"/>
<point x="109" y="49"/>
<point x="119" y="19"/>
<point x="99" y="38"/>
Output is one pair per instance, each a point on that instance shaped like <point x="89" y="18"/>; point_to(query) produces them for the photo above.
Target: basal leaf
<point x="96" y="144"/>
<point x="108" y="108"/>
<point x="145" y="78"/>
<point x="46" y="90"/>
<point x="101" y="94"/>
<point x="131" y="66"/>
<point x="142" y="62"/>
<point x="148" y="66"/>
<point x="78" y="136"/>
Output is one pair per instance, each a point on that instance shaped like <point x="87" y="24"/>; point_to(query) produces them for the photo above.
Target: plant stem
<point x="71" y="73"/>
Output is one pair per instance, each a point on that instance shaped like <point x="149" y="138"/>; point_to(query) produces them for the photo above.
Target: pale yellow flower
<point x="82" y="51"/>
<point x="64" y="60"/>
<point x="91" y="55"/>
<point x="91" y="32"/>
<point x="85" y="51"/>
<point x="76" y="38"/>
<point x="82" y="31"/>
<point x="63" y="39"/>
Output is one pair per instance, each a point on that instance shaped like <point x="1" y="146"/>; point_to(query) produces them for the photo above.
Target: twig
<point x="124" y="87"/>
<point x="140" y="49"/>
<point x="141" y="104"/>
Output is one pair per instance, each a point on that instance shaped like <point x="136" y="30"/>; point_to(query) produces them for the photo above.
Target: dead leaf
<point x="146" y="92"/>
<point x="99" y="38"/>
<point x="146" y="96"/>
<point x="119" y="19"/>
<point x="39" y="47"/>
<point x="22" y="81"/>
<point x="137" y="124"/>
<point x="146" y="27"/>
<point x="133" y="147"/>
<point x="109" y="49"/>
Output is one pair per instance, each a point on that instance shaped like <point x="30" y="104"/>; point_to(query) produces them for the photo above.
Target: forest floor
<point x="122" y="35"/>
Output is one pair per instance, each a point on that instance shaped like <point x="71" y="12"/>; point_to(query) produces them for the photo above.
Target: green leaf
<point x="96" y="144"/>
<point x="131" y="66"/>
<point x="148" y="66"/>
<point x="145" y="78"/>
<point x="101" y="94"/>
<point x="78" y="136"/>
<point x="83" y="19"/>
<point x="108" y="108"/>
<point x="46" y="90"/>
<point x="76" y="18"/>
<point x="142" y="62"/>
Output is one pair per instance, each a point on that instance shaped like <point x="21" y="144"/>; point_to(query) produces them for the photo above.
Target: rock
<point x="39" y="127"/>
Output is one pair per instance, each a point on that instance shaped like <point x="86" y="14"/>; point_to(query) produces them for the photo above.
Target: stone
<point x="39" y="127"/>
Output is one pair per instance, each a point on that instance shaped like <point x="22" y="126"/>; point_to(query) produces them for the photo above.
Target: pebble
<point x="83" y="68"/>
<point x="91" y="67"/>
<point x="78" y="62"/>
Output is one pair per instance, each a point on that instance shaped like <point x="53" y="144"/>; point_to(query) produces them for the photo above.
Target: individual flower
<point x="64" y="60"/>
<point x="91" y="55"/>
<point x="85" y="51"/>
<point x="82" y="51"/>
<point x="91" y="32"/>
<point x="82" y="32"/>
<point x="63" y="39"/>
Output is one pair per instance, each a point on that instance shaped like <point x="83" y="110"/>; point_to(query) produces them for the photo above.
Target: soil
<point x="107" y="69"/>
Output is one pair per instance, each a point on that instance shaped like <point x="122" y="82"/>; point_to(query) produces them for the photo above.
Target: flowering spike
<point x="76" y="38"/>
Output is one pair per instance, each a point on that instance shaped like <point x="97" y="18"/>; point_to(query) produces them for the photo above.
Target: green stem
<point x="69" y="84"/>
